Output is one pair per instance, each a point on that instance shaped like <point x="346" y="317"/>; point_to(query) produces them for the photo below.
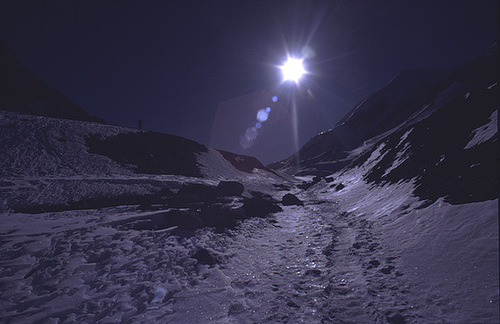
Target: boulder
<point x="306" y="185"/>
<point x="221" y="216"/>
<point x="260" y="206"/>
<point x="203" y="256"/>
<point x="339" y="187"/>
<point x="195" y="192"/>
<point x="184" y="220"/>
<point x="290" y="199"/>
<point x="230" y="188"/>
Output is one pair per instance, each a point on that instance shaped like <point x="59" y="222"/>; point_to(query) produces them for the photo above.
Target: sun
<point x="293" y="70"/>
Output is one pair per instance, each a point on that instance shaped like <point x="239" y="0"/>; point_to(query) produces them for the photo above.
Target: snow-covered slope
<point x="48" y="161"/>
<point x="422" y="262"/>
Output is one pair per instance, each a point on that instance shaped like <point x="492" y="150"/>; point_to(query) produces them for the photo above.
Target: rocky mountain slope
<point x="407" y="99"/>
<point x="437" y="129"/>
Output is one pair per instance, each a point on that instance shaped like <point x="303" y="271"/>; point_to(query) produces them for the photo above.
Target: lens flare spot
<point x="258" y="125"/>
<point x="251" y="133"/>
<point x="308" y="52"/>
<point x="262" y="115"/>
<point x="275" y="98"/>
<point x="268" y="110"/>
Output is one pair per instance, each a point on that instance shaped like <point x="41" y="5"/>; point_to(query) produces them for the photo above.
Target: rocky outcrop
<point x="290" y="199"/>
<point x="260" y="205"/>
<point x="230" y="188"/>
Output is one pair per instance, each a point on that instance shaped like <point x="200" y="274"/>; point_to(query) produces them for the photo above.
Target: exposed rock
<point x="304" y="185"/>
<point x="236" y="309"/>
<point x="281" y="187"/>
<point x="195" y="192"/>
<point x="261" y="195"/>
<point x="260" y="206"/>
<point x="339" y="187"/>
<point x="387" y="270"/>
<point x="164" y="193"/>
<point x="290" y="199"/>
<point x="185" y="220"/>
<point x="313" y="272"/>
<point x="396" y="318"/>
<point x="230" y="188"/>
<point x="150" y="153"/>
<point x="243" y="162"/>
<point x="203" y="256"/>
<point x="221" y="216"/>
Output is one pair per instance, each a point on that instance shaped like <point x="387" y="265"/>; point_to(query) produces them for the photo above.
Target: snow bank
<point x="449" y="253"/>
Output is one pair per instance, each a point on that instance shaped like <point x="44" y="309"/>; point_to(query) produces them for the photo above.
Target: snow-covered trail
<point x="275" y="271"/>
<point x="329" y="261"/>
<point x="308" y="264"/>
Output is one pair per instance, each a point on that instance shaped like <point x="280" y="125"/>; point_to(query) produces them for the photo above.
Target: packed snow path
<point x="306" y="265"/>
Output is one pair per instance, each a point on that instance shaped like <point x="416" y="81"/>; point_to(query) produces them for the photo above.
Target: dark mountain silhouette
<point x="21" y="91"/>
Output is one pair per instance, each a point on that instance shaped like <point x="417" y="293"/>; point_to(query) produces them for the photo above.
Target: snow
<point x="449" y="253"/>
<point x="402" y="155"/>
<point x="40" y="146"/>
<point x="360" y="254"/>
<point x="485" y="132"/>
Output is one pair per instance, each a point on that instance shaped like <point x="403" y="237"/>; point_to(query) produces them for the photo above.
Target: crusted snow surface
<point x="447" y="253"/>
<point x="40" y="146"/>
<point x="356" y="254"/>
<point x="362" y="254"/>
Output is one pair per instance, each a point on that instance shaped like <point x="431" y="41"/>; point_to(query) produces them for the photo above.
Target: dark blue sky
<point x="172" y="64"/>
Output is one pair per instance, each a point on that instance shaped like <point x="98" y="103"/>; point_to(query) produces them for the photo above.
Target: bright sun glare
<point x="293" y="70"/>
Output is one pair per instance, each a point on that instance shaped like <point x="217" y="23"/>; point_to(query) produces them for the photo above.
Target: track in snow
<point x="307" y="265"/>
